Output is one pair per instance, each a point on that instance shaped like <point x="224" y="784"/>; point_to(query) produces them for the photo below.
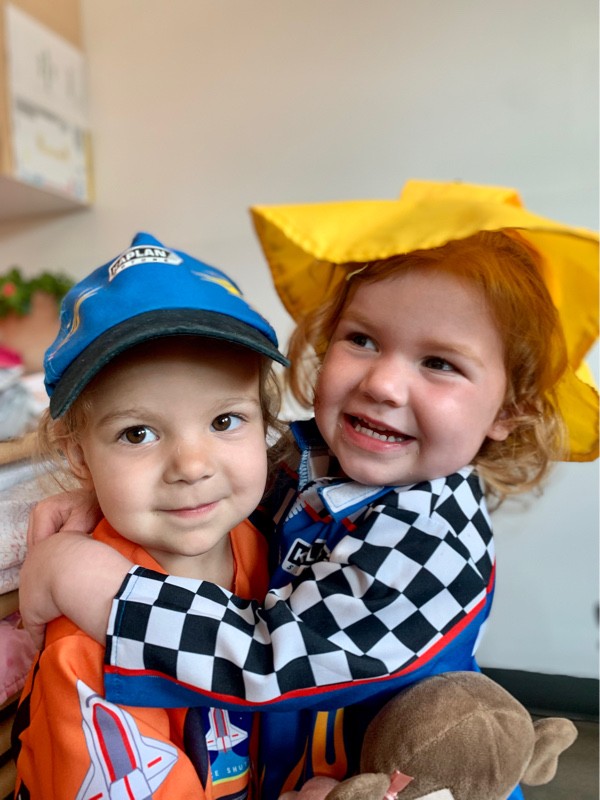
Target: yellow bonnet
<point x="309" y="246"/>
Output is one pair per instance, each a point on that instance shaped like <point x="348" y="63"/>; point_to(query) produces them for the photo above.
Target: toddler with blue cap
<point x="161" y="394"/>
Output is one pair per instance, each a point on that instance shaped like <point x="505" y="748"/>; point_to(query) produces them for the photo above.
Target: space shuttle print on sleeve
<point x="71" y="743"/>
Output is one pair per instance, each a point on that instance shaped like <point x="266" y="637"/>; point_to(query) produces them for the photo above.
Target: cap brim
<point x="154" y="325"/>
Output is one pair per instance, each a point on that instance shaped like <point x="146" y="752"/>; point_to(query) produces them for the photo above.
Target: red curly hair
<point x="507" y="270"/>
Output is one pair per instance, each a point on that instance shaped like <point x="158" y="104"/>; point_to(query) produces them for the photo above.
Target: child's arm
<point x="70" y="574"/>
<point x="401" y="591"/>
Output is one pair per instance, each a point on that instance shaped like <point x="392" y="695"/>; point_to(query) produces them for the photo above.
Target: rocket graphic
<point x="124" y="764"/>
<point x="222" y="734"/>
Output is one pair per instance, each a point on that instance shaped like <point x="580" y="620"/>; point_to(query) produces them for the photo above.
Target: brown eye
<point x="226" y="422"/>
<point x="222" y="423"/>
<point x="138" y="435"/>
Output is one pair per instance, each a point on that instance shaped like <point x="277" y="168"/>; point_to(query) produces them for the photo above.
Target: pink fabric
<point x="398" y="782"/>
<point x="9" y="357"/>
<point x="17" y="652"/>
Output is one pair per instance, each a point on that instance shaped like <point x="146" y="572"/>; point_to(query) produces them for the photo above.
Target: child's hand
<point x="73" y="575"/>
<point x="314" y="789"/>
<point x="76" y="510"/>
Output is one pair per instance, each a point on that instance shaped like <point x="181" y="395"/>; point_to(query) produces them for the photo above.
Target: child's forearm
<point x="73" y="575"/>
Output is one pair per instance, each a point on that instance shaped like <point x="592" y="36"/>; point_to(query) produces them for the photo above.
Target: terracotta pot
<point x="32" y="334"/>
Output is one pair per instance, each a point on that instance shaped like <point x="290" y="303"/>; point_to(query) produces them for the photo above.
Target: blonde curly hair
<point x="508" y="271"/>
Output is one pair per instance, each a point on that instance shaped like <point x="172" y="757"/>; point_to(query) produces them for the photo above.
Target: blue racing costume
<point x="372" y="589"/>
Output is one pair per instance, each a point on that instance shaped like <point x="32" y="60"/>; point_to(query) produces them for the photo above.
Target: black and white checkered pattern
<point x="405" y="573"/>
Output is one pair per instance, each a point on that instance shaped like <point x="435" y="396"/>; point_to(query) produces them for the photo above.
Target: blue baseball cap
<point x="147" y="292"/>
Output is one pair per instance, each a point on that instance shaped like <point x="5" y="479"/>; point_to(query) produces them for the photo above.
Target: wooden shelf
<point x="25" y="193"/>
<point x="19" y="200"/>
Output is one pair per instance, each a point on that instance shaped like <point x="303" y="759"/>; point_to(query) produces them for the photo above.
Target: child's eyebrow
<point x="124" y="413"/>
<point x="354" y="316"/>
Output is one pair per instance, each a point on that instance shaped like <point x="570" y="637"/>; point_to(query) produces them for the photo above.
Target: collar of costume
<point x="340" y="496"/>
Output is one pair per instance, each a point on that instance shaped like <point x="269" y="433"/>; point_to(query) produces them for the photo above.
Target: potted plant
<point x="29" y="313"/>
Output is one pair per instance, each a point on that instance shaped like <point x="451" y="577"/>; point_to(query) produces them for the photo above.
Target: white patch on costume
<point x="142" y="254"/>
<point x="124" y="764"/>
<point x="302" y="554"/>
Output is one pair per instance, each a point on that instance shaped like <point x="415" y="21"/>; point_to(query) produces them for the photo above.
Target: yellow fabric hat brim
<point x="309" y="246"/>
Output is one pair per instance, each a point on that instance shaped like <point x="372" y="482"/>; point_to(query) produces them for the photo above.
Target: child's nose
<point x="189" y="461"/>
<point x="387" y="381"/>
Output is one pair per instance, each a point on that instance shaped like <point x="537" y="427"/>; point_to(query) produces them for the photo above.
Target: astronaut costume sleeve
<point x="71" y="743"/>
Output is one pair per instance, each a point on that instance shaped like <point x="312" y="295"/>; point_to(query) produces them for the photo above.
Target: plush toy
<point x="455" y="736"/>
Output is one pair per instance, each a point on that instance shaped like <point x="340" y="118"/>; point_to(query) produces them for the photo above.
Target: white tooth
<point x="376" y="435"/>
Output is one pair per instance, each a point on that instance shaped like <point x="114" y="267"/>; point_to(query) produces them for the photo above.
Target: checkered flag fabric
<point x="406" y="573"/>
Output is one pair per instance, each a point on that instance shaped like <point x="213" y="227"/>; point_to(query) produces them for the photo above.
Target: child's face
<point x="413" y="380"/>
<point x="175" y="449"/>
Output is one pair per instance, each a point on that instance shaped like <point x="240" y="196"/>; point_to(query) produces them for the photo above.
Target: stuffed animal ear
<point x="367" y="786"/>
<point x="552" y="736"/>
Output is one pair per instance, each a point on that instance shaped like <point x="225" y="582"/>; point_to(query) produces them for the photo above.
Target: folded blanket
<point x="22" y="400"/>
<point x="15" y="504"/>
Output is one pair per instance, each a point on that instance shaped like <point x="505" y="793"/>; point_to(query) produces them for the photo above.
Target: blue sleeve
<point x="393" y="597"/>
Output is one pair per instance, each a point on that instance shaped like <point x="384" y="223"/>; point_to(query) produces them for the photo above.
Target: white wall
<point x="203" y="107"/>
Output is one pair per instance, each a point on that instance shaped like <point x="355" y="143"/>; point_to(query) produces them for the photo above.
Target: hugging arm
<point x="393" y="593"/>
<point x="60" y="570"/>
<point x="73" y="575"/>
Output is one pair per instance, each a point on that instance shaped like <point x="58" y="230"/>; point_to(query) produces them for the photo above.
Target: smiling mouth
<point x="377" y="432"/>
<point x="187" y="510"/>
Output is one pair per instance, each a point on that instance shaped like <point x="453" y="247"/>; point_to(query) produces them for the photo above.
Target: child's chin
<point x="377" y="475"/>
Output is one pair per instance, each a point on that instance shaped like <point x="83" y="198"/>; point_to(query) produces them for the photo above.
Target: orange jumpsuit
<point x="75" y="745"/>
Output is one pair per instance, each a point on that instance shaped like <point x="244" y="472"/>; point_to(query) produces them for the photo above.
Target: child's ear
<point x="502" y="426"/>
<point x="77" y="463"/>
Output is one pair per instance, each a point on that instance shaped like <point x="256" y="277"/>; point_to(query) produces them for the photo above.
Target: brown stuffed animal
<point x="455" y="736"/>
